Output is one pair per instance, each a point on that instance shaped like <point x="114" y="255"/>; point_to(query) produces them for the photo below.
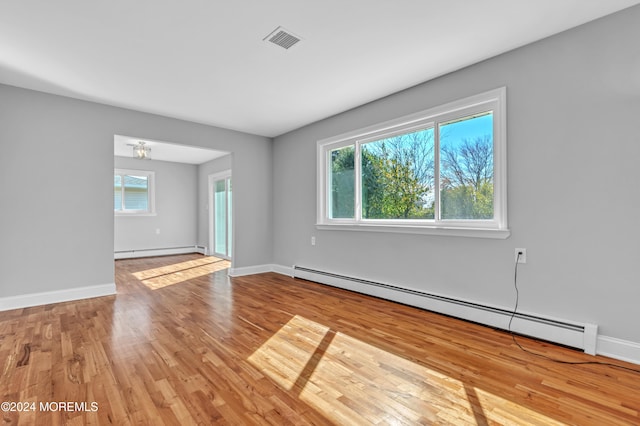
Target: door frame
<point x="213" y="178"/>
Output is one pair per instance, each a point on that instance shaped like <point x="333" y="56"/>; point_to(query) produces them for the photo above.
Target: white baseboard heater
<point x="164" y="251"/>
<point x="576" y="335"/>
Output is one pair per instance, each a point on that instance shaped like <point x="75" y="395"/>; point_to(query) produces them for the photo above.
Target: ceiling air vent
<point x="282" y="37"/>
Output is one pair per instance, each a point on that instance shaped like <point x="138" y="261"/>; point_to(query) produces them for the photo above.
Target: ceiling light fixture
<point x="141" y="151"/>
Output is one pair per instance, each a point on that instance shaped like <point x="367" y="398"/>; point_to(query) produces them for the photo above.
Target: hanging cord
<point x="513" y="335"/>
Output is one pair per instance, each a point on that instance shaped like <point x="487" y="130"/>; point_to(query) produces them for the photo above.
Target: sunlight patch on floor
<point x="353" y="382"/>
<point x="164" y="276"/>
<point x="285" y="355"/>
<point x="503" y="411"/>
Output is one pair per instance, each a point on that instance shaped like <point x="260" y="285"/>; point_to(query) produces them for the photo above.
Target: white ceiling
<point x="206" y="61"/>
<point x="164" y="151"/>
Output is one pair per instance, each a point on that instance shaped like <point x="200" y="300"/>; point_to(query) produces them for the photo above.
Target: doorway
<point x="220" y="215"/>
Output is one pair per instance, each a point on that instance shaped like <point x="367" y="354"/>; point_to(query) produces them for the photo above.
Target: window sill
<point x="491" y="233"/>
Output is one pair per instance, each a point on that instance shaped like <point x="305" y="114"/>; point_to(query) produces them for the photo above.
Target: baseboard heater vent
<point x="581" y="336"/>
<point x="165" y="251"/>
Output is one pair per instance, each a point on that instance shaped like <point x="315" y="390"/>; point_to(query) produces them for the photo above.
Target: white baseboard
<point x="250" y="270"/>
<point x="283" y="270"/>
<point x="260" y="269"/>
<point x="130" y="254"/>
<point x="624" y="350"/>
<point x="66" y="295"/>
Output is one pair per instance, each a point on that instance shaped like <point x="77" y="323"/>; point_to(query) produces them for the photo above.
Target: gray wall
<point x="176" y="190"/>
<point x="53" y="239"/>
<point x="573" y="152"/>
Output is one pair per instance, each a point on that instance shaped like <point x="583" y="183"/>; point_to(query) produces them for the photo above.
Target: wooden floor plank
<point x="182" y="343"/>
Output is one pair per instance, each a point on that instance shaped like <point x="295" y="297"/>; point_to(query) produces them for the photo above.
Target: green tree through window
<point x="466" y="168"/>
<point x="397" y="177"/>
<point x="397" y="174"/>
<point x="343" y="182"/>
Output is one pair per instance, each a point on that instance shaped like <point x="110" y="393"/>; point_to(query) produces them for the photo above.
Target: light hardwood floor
<point x="183" y="344"/>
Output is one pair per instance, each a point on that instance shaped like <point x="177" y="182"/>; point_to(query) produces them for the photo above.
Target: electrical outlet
<point x="313" y="241"/>
<point x="523" y="255"/>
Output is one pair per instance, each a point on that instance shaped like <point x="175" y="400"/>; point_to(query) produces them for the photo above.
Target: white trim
<point x="500" y="160"/>
<point x="58" y="296"/>
<point x="261" y="269"/>
<point x="590" y="339"/>
<point x="420" y="116"/>
<point x="624" y="350"/>
<point x="494" y="100"/>
<point x="131" y="254"/>
<point x="151" y="192"/>
<point x="426" y="230"/>
<point x="282" y="270"/>
<point x="250" y="270"/>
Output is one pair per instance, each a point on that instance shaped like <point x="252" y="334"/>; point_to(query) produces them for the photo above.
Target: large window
<point x="440" y="171"/>
<point x="133" y="192"/>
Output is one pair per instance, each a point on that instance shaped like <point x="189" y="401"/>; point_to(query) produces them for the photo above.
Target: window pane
<point x="466" y="168"/>
<point x="397" y="177"/>
<point x="342" y="183"/>
<point x="136" y="190"/>
<point x="117" y="193"/>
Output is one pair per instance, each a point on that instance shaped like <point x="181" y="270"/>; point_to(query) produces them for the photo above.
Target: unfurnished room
<point x="319" y="213"/>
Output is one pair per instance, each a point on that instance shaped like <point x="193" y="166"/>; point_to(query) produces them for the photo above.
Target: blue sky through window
<point x="468" y="128"/>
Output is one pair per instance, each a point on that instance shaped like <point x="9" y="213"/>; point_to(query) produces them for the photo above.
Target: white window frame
<point x="494" y="100"/>
<point x="151" y="192"/>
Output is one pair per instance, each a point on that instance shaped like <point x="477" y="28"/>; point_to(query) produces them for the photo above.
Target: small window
<point x="441" y="171"/>
<point x="133" y="192"/>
